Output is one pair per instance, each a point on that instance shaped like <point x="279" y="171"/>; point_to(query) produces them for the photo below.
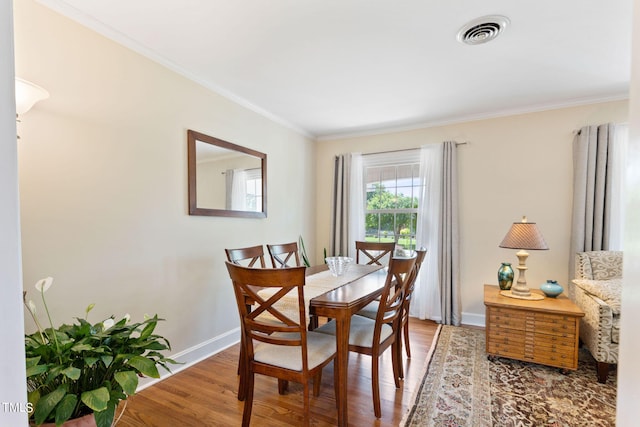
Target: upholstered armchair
<point x="597" y="289"/>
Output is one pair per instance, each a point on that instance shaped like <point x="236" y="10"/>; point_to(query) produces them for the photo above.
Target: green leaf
<point x="106" y="359"/>
<point x="47" y="403"/>
<point x="65" y="408"/>
<point x="72" y="372"/>
<point x="36" y="370"/>
<point x="33" y="397"/>
<point x="145" y="366"/>
<point x="81" y="347"/>
<point x="105" y="418"/>
<point x="96" y="399"/>
<point x="128" y="380"/>
<point x="148" y="330"/>
<point x="32" y="361"/>
<point x="150" y="345"/>
<point x="90" y="361"/>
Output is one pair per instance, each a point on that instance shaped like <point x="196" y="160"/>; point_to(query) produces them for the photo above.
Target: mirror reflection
<point x="225" y="179"/>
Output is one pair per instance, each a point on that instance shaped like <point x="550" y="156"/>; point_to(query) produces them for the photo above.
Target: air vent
<point x="482" y="30"/>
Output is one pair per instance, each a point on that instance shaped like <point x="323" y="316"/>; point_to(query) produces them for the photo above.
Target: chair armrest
<point x="596" y="325"/>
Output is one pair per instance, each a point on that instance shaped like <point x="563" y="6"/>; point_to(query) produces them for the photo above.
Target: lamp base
<point x="530" y="297"/>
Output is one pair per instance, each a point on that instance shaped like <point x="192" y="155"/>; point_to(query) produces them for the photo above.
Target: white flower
<point x="108" y="323"/>
<point x="127" y="317"/>
<point x="43" y="284"/>
<point x="32" y="306"/>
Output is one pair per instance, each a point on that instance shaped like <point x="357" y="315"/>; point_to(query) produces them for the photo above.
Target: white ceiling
<point x="340" y="67"/>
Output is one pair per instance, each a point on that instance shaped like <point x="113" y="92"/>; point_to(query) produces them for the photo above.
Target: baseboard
<point x="473" y="319"/>
<point x="193" y="355"/>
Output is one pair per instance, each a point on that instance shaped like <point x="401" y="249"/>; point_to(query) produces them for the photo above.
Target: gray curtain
<point x="450" y="299"/>
<point x="340" y="205"/>
<point x="592" y="180"/>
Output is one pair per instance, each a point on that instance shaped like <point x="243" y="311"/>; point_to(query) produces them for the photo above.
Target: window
<point x="392" y="191"/>
<point x="254" y="189"/>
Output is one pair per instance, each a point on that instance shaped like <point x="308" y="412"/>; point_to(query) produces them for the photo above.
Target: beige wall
<point x="103" y="185"/>
<point x="512" y="166"/>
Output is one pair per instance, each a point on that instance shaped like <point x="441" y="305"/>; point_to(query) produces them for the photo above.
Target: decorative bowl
<point x="338" y="265"/>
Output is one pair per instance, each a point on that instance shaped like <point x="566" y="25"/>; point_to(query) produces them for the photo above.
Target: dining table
<point x="338" y="298"/>
<point x="340" y="304"/>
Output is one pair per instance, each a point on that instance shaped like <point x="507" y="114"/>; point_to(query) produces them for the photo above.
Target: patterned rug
<point x="462" y="388"/>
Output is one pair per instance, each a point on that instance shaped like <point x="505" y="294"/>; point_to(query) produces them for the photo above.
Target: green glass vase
<point x="505" y="276"/>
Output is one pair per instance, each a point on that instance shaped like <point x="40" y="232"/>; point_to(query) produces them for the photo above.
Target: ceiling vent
<point x="482" y="30"/>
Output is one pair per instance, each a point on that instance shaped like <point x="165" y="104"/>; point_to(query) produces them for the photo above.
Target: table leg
<point x="341" y="365"/>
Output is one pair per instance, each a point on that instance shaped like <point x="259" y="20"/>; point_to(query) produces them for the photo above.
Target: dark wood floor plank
<point x="206" y="393"/>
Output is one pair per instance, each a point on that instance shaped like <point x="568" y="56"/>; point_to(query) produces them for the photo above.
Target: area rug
<point x="462" y="388"/>
<point x="455" y="388"/>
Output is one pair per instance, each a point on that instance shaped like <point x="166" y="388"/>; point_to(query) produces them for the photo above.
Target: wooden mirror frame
<point x="192" y="138"/>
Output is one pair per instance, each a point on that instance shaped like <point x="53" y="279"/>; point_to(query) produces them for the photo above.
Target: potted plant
<point x="86" y="369"/>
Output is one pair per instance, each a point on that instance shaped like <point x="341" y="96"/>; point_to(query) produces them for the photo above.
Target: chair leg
<point x="396" y="359"/>
<point x="603" y="372"/>
<point x="406" y="339"/>
<point x="375" y="384"/>
<point x="248" y="402"/>
<point x="317" y="380"/>
<point x="242" y="386"/>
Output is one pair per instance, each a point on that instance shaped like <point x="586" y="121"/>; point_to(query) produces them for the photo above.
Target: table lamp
<point x="523" y="236"/>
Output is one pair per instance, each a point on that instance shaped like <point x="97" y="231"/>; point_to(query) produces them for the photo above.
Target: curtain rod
<point x="408" y="149"/>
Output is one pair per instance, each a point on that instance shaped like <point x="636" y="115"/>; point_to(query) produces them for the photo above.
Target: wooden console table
<point x="544" y="331"/>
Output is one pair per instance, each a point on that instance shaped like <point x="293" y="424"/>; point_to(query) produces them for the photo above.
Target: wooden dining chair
<point x="284" y="255"/>
<point x="371" y="310"/>
<point x="281" y="347"/>
<point x="248" y="257"/>
<point x="373" y="253"/>
<point x="373" y="337"/>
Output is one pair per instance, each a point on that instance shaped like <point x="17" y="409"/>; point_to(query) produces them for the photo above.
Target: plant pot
<point x="84" y="421"/>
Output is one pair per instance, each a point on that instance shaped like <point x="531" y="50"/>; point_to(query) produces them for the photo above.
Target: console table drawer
<point x="559" y="326"/>
<point x="506" y="319"/>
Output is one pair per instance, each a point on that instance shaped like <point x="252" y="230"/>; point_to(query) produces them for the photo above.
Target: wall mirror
<point x="225" y="179"/>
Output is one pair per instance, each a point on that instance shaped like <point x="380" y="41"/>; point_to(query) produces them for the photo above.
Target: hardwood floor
<point x="206" y="393"/>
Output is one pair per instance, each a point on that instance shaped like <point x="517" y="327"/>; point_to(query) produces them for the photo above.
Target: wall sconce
<point x="27" y="94"/>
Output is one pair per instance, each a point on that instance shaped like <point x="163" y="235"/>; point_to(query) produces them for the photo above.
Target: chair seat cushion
<point x="370" y="311"/>
<point x="320" y="347"/>
<point x="361" y="331"/>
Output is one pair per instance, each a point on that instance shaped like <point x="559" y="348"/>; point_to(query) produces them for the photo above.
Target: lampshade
<point x="27" y="94"/>
<point x="524" y="235"/>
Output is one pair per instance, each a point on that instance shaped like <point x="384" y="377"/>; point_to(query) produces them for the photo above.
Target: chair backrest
<point x="284" y="255"/>
<point x="283" y="330"/>
<point x="420" y="255"/>
<point x="399" y="275"/>
<point x="599" y="265"/>
<point x="373" y="252"/>
<point x="246" y="256"/>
